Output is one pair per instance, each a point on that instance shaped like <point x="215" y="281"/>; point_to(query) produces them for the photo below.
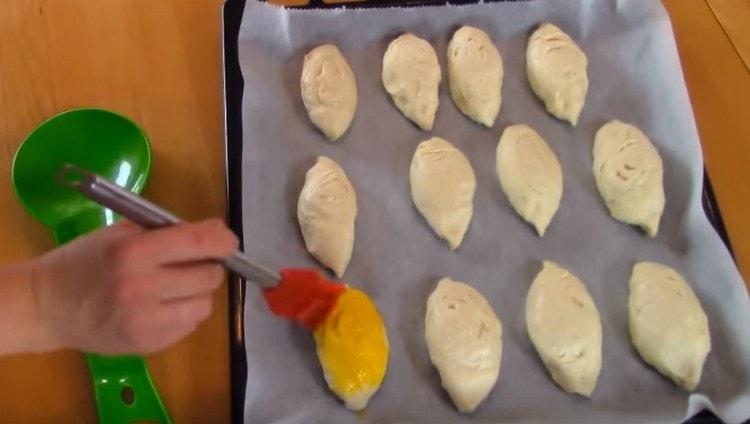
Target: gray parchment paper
<point x="635" y="76"/>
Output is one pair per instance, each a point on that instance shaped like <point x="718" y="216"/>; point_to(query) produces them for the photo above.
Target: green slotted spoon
<point x="115" y="147"/>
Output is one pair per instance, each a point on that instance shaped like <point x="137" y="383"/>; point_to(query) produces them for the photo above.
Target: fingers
<point x="184" y="281"/>
<point x="112" y="235"/>
<point x="155" y="328"/>
<point x="162" y="281"/>
<point x="176" y="320"/>
<point x="169" y="338"/>
<point x="188" y="311"/>
<point x="126" y="225"/>
<point x="186" y="242"/>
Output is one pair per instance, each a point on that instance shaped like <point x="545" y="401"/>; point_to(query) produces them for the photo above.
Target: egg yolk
<point x="353" y="345"/>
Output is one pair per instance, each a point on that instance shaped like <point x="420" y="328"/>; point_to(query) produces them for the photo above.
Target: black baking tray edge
<point x="233" y="85"/>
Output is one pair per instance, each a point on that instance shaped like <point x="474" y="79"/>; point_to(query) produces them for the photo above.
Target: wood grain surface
<point x="159" y="62"/>
<point x="734" y="15"/>
<point x="719" y="86"/>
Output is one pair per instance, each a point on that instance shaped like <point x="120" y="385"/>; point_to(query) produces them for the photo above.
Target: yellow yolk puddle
<point x="353" y="348"/>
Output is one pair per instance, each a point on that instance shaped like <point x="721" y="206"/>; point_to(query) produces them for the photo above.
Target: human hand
<point x="123" y="289"/>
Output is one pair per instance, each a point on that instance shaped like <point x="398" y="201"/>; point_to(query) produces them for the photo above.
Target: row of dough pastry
<point x="626" y="166"/>
<point x="555" y="65"/>
<point x="668" y="328"/>
<point x="627" y="169"/>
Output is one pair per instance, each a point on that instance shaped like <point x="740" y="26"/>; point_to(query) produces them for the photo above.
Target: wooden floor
<point x="159" y="62"/>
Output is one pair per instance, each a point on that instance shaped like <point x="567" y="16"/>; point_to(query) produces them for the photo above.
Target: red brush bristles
<point x="304" y="296"/>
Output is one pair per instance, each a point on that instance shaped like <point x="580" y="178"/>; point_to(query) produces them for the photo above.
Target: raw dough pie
<point x="668" y="326"/>
<point x="475" y="74"/>
<point x="629" y="173"/>
<point x="464" y="339"/>
<point x="442" y="187"/>
<point x="411" y="75"/>
<point x="530" y="175"/>
<point x="556" y="68"/>
<point x="565" y="328"/>
<point x="329" y="90"/>
<point x="326" y="210"/>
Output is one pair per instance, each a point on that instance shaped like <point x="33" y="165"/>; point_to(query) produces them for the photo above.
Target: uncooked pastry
<point x="475" y="74"/>
<point x="530" y="175"/>
<point x="442" y="187"/>
<point x="565" y="328"/>
<point x="556" y="68"/>
<point x="326" y="211"/>
<point x="629" y="175"/>
<point x="411" y="75"/>
<point x="464" y="339"/>
<point x="329" y="90"/>
<point x="668" y="326"/>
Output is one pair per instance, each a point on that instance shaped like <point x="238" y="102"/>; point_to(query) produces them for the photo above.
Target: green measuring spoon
<point x="115" y="147"/>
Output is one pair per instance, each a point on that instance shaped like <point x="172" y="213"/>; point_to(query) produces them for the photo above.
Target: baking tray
<point x="233" y="89"/>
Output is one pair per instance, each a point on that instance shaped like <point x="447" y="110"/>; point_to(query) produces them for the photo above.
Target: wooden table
<point x="159" y="62"/>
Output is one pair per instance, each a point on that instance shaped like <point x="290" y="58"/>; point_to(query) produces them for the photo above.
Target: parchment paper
<point x="635" y="76"/>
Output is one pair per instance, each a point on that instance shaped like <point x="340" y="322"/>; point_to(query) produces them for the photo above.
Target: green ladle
<point x="115" y="147"/>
